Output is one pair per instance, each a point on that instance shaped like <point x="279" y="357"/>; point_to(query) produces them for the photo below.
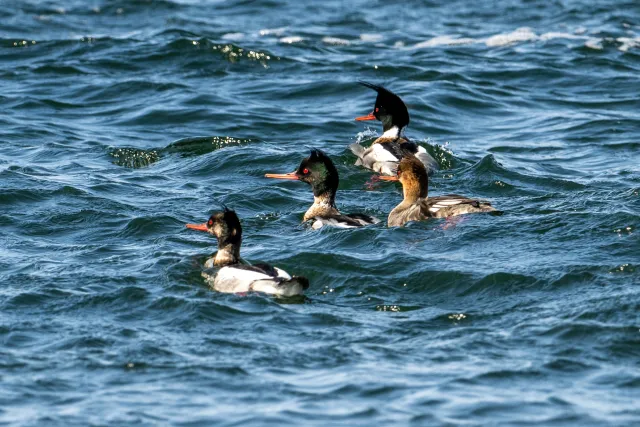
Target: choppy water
<point x="123" y="120"/>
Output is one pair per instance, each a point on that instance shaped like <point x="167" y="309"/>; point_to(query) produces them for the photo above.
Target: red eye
<point x="305" y="171"/>
<point x="377" y="109"/>
<point x="399" y="173"/>
<point x="210" y="222"/>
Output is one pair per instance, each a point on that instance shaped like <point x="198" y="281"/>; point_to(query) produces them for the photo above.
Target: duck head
<point x="389" y="109"/>
<point x="225" y="226"/>
<point x="319" y="172"/>
<point x="414" y="178"/>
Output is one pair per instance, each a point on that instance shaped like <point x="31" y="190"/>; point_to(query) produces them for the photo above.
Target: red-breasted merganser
<point x="234" y="276"/>
<point x="417" y="206"/>
<point x="385" y="152"/>
<point x="319" y="171"/>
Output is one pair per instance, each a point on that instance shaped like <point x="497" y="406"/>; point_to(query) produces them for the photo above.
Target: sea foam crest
<point x="526" y="34"/>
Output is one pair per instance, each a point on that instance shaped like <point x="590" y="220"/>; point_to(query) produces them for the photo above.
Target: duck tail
<point x="300" y="280"/>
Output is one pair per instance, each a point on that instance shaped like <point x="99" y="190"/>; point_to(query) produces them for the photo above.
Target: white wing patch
<point x="448" y="202"/>
<point x="444" y="204"/>
<point x="381" y="154"/>
<point x="374" y="220"/>
<point x="320" y="222"/>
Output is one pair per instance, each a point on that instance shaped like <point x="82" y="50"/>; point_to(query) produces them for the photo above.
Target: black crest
<point x="322" y="176"/>
<point x="231" y="228"/>
<point x="389" y="103"/>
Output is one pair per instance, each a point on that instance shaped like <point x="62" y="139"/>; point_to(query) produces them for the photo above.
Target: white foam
<point x="366" y="37"/>
<point x="554" y="35"/>
<point x="525" y="34"/>
<point x="445" y="40"/>
<point x="519" y="35"/>
<point x="336" y="41"/>
<point x="594" y="43"/>
<point x="273" y="31"/>
<point x="628" y="43"/>
<point x="291" y="39"/>
<point x="365" y="134"/>
<point x="233" y="36"/>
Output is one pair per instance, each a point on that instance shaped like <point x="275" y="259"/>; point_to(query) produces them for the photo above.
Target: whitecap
<point x="368" y="37"/>
<point x="445" y="40"/>
<point x="273" y="31"/>
<point x="336" y="41"/>
<point x="628" y="43"/>
<point x="291" y="39"/>
<point x="233" y="36"/>
<point x="594" y="43"/>
<point x="554" y="35"/>
<point x="519" y="35"/>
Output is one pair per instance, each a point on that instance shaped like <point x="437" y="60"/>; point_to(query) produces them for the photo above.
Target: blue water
<point x="123" y="120"/>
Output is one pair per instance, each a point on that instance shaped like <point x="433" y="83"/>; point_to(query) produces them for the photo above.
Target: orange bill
<point x="199" y="227"/>
<point x="363" y="118"/>
<point x="291" y="175"/>
<point x="389" y="178"/>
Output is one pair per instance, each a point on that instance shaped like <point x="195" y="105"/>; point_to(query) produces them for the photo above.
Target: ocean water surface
<point x="123" y="120"/>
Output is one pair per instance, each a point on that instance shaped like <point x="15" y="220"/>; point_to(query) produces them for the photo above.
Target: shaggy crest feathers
<point x="231" y="227"/>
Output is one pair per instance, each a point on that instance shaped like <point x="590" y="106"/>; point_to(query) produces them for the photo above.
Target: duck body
<point x="436" y="207"/>
<point x="242" y="278"/>
<point x="384" y="154"/>
<point x="319" y="171"/>
<point x="226" y="272"/>
<point x="417" y="206"/>
<point x="343" y="221"/>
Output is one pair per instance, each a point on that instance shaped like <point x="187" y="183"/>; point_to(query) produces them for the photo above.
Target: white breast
<point x="391" y="133"/>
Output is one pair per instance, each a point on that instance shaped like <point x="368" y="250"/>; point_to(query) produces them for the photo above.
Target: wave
<point x="194" y="146"/>
<point x="526" y="34"/>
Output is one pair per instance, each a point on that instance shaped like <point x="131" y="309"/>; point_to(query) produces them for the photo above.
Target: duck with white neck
<point x="320" y="173"/>
<point x="227" y="272"/>
<point x="385" y="152"/>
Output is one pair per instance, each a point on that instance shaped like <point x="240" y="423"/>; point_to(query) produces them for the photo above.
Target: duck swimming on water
<point x="385" y="153"/>
<point x="417" y="206"/>
<point x="319" y="171"/>
<point x="234" y="276"/>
